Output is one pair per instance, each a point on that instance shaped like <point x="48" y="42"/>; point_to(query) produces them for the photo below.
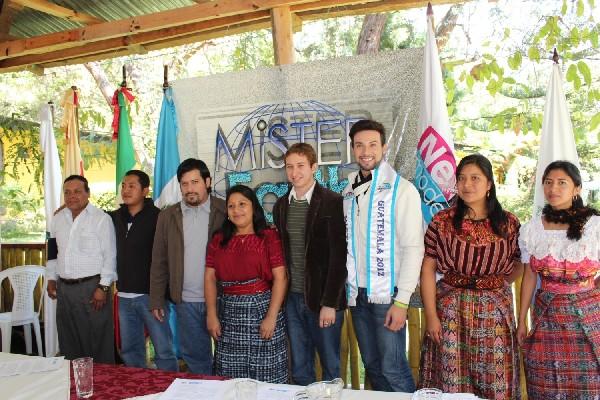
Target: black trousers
<point x="83" y="331"/>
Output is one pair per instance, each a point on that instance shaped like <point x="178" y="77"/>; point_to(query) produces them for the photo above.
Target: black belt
<point x="78" y="280"/>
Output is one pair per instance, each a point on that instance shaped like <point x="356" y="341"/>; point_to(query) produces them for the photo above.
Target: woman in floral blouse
<point x="562" y="248"/>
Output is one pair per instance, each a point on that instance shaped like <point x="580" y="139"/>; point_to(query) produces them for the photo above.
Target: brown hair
<point x="367" y="125"/>
<point x="303" y="149"/>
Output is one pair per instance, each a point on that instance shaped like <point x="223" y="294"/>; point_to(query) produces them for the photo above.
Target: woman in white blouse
<point x="561" y="247"/>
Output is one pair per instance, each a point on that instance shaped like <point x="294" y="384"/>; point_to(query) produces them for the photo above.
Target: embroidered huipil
<point x="565" y="266"/>
<point x="562" y="350"/>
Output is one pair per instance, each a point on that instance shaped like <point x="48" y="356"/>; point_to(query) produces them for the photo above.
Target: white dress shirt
<point x="307" y="195"/>
<point x="86" y="246"/>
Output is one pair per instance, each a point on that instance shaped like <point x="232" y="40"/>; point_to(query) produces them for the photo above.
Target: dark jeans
<point x="134" y="314"/>
<point x="306" y="336"/>
<point x="194" y="341"/>
<point x="383" y="352"/>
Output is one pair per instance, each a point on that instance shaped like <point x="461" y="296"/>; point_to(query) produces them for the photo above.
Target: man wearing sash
<point x="385" y="249"/>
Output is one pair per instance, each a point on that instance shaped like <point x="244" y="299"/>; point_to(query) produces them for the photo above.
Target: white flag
<point x="436" y="167"/>
<point x="52" y="192"/>
<point x="557" y="141"/>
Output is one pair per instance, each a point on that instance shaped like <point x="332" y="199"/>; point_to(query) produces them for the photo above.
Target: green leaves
<point x="536" y="123"/>
<point x="573" y="76"/>
<point x="579" y="8"/>
<point x="574" y="36"/>
<point x="594" y="37"/>
<point x="514" y="61"/>
<point x="585" y="72"/>
<point x="533" y="53"/>
<point x="595" y="121"/>
<point x="470" y="81"/>
<point x="450" y="89"/>
<point x="577" y="71"/>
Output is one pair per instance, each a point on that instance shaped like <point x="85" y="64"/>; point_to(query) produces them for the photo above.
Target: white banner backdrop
<point x="241" y="123"/>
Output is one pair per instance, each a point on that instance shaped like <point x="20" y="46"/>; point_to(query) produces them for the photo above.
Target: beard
<point x="192" y="199"/>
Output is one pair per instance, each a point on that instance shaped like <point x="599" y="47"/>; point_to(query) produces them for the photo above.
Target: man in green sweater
<point x="310" y="220"/>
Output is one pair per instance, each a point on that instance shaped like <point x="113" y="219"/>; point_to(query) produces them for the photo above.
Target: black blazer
<point x="325" y="263"/>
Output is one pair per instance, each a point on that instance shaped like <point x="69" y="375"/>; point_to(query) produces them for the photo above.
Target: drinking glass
<point x="246" y="389"/>
<point x="83" y="373"/>
<point x="427" y="394"/>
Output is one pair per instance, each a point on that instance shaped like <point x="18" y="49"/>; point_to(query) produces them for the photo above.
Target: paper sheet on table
<point x="459" y="396"/>
<point x="185" y="389"/>
<point x="277" y="392"/>
<point x="30" y="366"/>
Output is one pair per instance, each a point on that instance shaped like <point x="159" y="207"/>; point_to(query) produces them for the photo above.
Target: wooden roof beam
<point x="139" y="24"/>
<point x="307" y="13"/>
<point x="162" y="44"/>
<point x="211" y="34"/>
<point x="104" y="46"/>
<point x="59" y="11"/>
<point x="7" y="12"/>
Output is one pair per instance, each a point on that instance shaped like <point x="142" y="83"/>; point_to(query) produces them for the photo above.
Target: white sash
<point x="380" y="238"/>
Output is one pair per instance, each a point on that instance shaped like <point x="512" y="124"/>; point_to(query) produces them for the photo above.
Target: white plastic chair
<point x="23" y="280"/>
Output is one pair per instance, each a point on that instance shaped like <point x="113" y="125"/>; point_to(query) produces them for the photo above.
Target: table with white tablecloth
<point x="57" y="385"/>
<point x="54" y="385"/>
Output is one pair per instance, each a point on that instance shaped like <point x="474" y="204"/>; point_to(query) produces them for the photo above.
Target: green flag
<point x="125" y="152"/>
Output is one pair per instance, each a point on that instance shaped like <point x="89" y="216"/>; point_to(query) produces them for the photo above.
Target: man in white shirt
<point x="81" y="267"/>
<point x="385" y="250"/>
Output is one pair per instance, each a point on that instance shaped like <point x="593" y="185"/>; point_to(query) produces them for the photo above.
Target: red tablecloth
<point x="120" y="382"/>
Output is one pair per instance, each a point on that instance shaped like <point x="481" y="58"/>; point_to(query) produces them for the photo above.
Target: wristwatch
<point x="105" y="289"/>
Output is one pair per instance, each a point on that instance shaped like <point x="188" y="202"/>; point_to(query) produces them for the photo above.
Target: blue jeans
<point x="306" y="336"/>
<point x="194" y="340"/>
<point x="134" y="313"/>
<point x="383" y="352"/>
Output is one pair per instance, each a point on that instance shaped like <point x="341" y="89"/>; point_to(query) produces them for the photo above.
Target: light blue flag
<point x="166" y="187"/>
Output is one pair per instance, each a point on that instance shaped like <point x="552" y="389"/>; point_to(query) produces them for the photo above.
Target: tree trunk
<point x="102" y="81"/>
<point x="370" y="34"/>
<point x="133" y="76"/>
<point x="447" y="25"/>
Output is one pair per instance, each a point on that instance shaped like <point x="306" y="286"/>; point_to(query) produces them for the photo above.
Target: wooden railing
<point x="35" y="254"/>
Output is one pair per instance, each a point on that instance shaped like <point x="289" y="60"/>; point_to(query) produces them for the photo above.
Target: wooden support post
<point x="7" y="13"/>
<point x="283" y="39"/>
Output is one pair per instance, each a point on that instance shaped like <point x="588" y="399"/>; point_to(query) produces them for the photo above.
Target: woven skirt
<point x="562" y="352"/>
<point x="479" y="352"/>
<point x="240" y="352"/>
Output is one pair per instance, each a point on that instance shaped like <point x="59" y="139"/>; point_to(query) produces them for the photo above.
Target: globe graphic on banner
<point x="252" y="152"/>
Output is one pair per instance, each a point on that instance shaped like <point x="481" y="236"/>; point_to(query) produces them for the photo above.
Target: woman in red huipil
<point x="246" y="258"/>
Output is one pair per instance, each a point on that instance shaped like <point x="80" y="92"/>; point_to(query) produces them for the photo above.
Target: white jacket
<point x="409" y="246"/>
